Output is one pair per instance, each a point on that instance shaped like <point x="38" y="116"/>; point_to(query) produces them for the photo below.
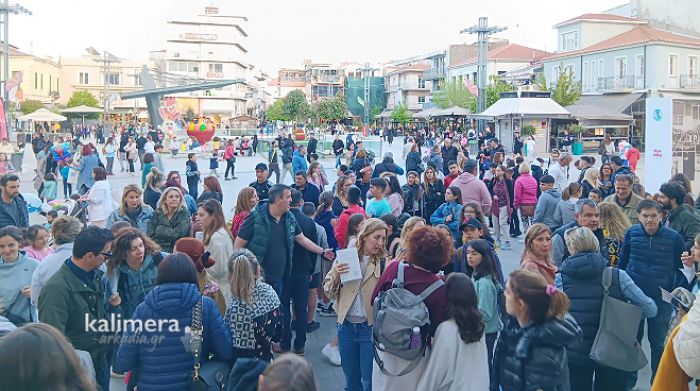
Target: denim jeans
<point x="296" y="292"/>
<point x="656" y="334"/>
<point x="356" y="355"/>
<point x="337" y="160"/>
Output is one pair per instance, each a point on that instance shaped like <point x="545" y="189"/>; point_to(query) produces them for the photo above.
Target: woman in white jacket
<point x="457" y="341"/>
<point x="218" y="241"/>
<point x="99" y="198"/>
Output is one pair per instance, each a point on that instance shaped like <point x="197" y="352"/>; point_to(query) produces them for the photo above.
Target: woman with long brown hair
<point x="171" y="221"/>
<point x="212" y="190"/>
<point x="247" y="200"/>
<point x="340" y="201"/>
<point x="316" y="176"/>
<point x="217" y="240"/>
<point x="433" y="192"/>
<point x="537" y="254"/>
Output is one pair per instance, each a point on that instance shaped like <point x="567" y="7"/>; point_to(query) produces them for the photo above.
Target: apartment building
<point x="406" y="85"/>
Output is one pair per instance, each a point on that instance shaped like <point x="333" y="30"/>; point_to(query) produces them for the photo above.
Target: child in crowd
<point x="448" y="213"/>
<point x="596" y="195"/>
<point x="50" y="189"/>
<point x="38" y="247"/>
<point x="377" y="206"/>
<point x="193" y="174"/>
<point x="214" y="163"/>
<point x="50" y="217"/>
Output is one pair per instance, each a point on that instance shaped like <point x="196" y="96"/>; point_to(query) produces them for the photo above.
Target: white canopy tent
<point x="454" y="111"/>
<point x="42" y="115"/>
<point x="82" y="110"/>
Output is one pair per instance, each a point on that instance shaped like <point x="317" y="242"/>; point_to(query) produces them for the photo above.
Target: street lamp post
<point x="5" y="10"/>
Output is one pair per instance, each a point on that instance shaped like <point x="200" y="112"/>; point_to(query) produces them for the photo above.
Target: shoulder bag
<point x="615" y="344"/>
<point x="213" y="375"/>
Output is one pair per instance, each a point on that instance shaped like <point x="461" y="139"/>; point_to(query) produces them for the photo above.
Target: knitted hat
<point x="195" y="249"/>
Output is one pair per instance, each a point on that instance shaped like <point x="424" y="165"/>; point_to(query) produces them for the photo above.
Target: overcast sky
<point x="282" y="33"/>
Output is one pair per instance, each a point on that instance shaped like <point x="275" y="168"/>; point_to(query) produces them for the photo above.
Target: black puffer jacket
<point x="535" y="357"/>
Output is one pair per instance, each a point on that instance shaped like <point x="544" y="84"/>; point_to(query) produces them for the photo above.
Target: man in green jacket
<point x="73" y="300"/>
<point x="624" y="197"/>
<point x="680" y="217"/>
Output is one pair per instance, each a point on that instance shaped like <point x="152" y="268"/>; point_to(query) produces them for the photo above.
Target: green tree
<point x="83" y="97"/>
<point x="401" y="114"/>
<point x="374" y="112"/>
<point x="493" y="93"/>
<point x="566" y="91"/>
<point x="453" y="94"/>
<point x="333" y="109"/>
<point x="276" y="111"/>
<point x="30" y="106"/>
<point x="295" y="106"/>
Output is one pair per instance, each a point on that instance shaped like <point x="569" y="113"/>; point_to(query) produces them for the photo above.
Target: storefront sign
<point x="658" y="142"/>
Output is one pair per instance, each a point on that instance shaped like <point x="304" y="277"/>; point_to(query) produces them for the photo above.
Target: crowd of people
<point x="411" y="272"/>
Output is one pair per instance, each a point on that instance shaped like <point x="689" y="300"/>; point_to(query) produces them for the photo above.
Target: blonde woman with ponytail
<point x="253" y="316"/>
<point x="531" y="352"/>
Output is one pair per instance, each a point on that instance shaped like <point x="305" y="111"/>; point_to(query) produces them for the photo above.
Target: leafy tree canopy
<point x="401" y="114"/>
<point x="30" y="106"/>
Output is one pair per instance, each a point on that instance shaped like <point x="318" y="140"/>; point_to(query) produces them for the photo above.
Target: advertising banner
<point x="658" y="143"/>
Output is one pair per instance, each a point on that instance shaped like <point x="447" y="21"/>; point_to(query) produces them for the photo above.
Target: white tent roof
<point x="82" y="109"/>
<point x="427" y="113"/>
<point x="525" y="107"/>
<point x="454" y="111"/>
<point x="42" y="115"/>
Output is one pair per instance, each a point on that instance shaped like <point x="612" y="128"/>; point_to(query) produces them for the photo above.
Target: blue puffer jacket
<point x="166" y="365"/>
<point x="653" y="261"/>
<point x="441" y="213"/>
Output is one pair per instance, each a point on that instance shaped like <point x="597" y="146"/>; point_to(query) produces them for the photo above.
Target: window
<point x="172" y="66"/>
<point x="692" y="66"/>
<point x="673" y="70"/>
<point x="695" y="110"/>
<point x="421" y="82"/>
<point x="621" y="67"/>
<point x="586" y="77"/>
<point x="36" y="81"/>
<point x="83" y="78"/>
<point x="218" y="68"/>
<point x="42" y="81"/>
<point x="641" y="66"/>
<point x="50" y="83"/>
<point x="192" y="67"/>
<point x="137" y="80"/>
<point x="600" y="72"/>
<point x="421" y="99"/>
<point x="555" y="75"/>
<point x="569" y="41"/>
<point x="112" y="79"/>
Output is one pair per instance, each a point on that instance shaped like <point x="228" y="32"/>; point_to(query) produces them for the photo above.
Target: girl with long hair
<point x="433" y="192"/>
<point x="537" y="254"/>
<point x="448" y="213"/>
<point x="325" y="217"/>
<point x="614" y="223"/>
<point x="16" y="275"/>
<point x="247" y="200"/>
<point x="171" y="221"/>
<point x="354" y="224"/>
<point x="217" y="240"/>
<point x="501" y="208"/>
<point x="212" y="190"/>
<point x="154" y="184"/>
<point x="394" y="195"/>
<point x="408" y="227"/>
<point x="340" y="201"/>
<point x="459" y="339"/>
<point x="316" y="176"/>
<point x="110" y="151"/>
<point x="590" y="182"/>
<point x="38" y="238"/>
<point x="605" y="179"/>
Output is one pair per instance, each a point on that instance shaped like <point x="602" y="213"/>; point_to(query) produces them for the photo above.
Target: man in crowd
<point x="311" y="147"/>
<point x="681" y="217"/>
<point x="496" y="147"/>
<point x="261" y="185"/>
<point x="270" y="233"/>
<point x="387" y="165"/>
<point x="560" y="171"/>
<point x="651" y="255"/>
<point x="309" y="192"/>
<point x="73" y="298"/>
<point x="299" y="160"/>
<point x="586" y="163"/>
<point x="587" y="215"/>
<point x="625" y="198"/>
<point x="296" y="287"/>
<point x="547" y="203"/>
<point x="567" y="141"/>
<point x="454" y="172"/>
<point x="338" y="147"/>
<point x="473" y="189"/>
<point x="618" y="168"/>
<point x="287" y="148"/>
<point x="449" y="153"/>
<point x="140" y="145"/>
<point x="13" y="207"/>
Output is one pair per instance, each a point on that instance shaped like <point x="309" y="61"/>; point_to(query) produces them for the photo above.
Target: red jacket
<point x="448" y="179"/>
<point x="229" y="152"/>
<point x="341" y="230"/>
<point x="633" y="155"/>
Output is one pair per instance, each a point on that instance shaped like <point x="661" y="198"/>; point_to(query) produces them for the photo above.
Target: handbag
<point x="615" y="344"/>
<point x="213" y="375"/>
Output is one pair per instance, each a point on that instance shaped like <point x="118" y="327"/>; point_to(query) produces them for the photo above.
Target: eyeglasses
<point x="107" y="254"/>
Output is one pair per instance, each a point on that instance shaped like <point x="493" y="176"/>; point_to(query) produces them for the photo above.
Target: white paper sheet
<point x="349" y="257"/>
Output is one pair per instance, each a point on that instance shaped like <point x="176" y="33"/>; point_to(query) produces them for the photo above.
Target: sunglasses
<point x="107" y="254"/>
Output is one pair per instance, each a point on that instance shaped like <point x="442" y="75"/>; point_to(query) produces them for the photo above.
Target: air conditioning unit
<point x="176" y="55"/>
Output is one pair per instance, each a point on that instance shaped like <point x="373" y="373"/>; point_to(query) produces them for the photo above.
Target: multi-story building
<point x="91" y="73"/>
<point x="317" y="80"/>
<point x="40" y="77"/>
<point x="406" y="85"/>
<point x="435" y="75"/>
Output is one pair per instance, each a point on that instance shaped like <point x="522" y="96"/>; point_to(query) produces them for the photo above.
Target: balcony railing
<point x="434" y="74"/>
<point x="616" y="82"/>
<point x="327" y="79"/>
<point x="690" y="81"/>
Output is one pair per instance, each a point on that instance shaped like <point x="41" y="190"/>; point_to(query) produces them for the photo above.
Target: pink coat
<point x="525" y="191"/>
<point x="473" y="190"/>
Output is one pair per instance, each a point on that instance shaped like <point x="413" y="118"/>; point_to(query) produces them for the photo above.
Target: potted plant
<point x="527" y="131"/>
<point x="576" y="130"/>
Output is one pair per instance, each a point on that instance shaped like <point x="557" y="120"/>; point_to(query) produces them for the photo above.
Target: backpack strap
<point x="610" y="279"/>
<point x="382" y="265"/>
<point x="399" y="281"/>
<point x="606" y="280"/>
<point x="432" y="288"/>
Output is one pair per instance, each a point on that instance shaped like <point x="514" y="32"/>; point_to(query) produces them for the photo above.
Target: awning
<point x="427" y="113"/>
<point x="602" y="111"/>
<point x="454" y="111"/>
<point x="613" y="103"/>
<point x="525" y="107"/>
<point x="42" y="115"/>
<point x="384" y="114"/>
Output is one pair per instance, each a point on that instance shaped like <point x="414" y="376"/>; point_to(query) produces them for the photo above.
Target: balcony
<point x="690" y="81"/>
<point x="413" y="87"/>
<point x="327" y="79"/>
<point x="434" y="74"/>
<point x="616" y="83"/>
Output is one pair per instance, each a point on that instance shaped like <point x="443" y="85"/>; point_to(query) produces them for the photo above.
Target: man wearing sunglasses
<point x="73" y="298"/>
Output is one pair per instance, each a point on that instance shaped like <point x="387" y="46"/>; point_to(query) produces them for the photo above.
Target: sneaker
<point x="327" y="311"/>
<point x="332" y="354"/>
<point x="299" y="351"/>
<point x="313" y="326"/>
<point x="508" y="246"/>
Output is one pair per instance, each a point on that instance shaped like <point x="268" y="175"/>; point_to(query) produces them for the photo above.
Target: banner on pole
<point x="4" y="134"/>
<point x="658" y="143"/>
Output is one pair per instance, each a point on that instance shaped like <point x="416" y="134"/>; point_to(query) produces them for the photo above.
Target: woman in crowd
<point x="459" y="339"/>
<point x="564" y="214"/>
<point x="580" y="279"/>
<point x="99" y="198"/>
<point x="132" y="209"/>
<point x="217" y="240"/>
<point x="605" y="179"/>
<point x="146" y="166"/>
<point x="429" y="250"/>
<point x="614" y="223"/>
<point x="340" y="202"/>
<point x="171" y="221"/>
<point x="289" y="372"/>
<point x="525" y="195"/>
<point x="532" y="349"/>
<point x="325" y="217"/>
<point x="174" y="180"/>
<point x="590" y="182"/>
<point x="394" y="195"/>
<point x="247" y="200"/>
<point x="433" y="192"/>
<point x="6" y="166"/>
<point x="168" y="364"/>
<point x="316" y="176"/>
<point x="359" y="162"/>
<point x="39" y="357"/>
<point x="212" y="190"/>
<point x="606" y="149"/>
<point x="38" y="238"/>
<point x="253" y="316"/>
<point x="202" y="261"/>
<point x="501" y="207"/>
<point x="16" y="270"/>
<point x="448" y="213"/>
<point x="685" y="182"/>
<point x="135" y="258"/>
<point x="85" y="166"/>
<point x="485" y="276"/>
<point x="110" y="151"/>
<point x="409" y="226"/>
<point x="131" y="154"/>
<point x="414" y="160"/>
<point x="154" y="184"/>
<point x="354" y="305"/>
<point x="537" y="255"/>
